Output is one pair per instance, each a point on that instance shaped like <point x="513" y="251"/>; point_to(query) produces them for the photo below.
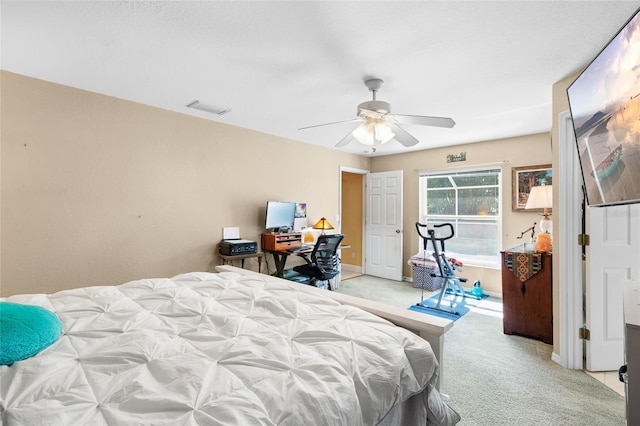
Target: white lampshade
<point x="373" y="132"/>
<point x="541" y="197"/>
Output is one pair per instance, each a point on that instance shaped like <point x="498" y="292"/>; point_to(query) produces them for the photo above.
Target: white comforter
<point x="213" y="349"/>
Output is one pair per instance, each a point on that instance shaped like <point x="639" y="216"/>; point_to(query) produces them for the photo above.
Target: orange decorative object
<point x="543" y="243"/>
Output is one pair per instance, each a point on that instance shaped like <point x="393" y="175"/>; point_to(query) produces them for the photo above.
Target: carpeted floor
<point x="497" y="379"/>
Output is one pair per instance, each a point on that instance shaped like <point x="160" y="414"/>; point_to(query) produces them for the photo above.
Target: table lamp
<point x="541" y="197"/>
<point x="323" y="224"/>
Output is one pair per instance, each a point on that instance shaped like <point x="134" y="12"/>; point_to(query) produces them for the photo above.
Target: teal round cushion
<point x="25" y="330"/>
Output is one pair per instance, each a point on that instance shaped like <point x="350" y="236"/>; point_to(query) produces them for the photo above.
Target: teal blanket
<point x="25" y="330"/>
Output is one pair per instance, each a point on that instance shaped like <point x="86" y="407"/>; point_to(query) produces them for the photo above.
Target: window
<point x="470" y="201"/>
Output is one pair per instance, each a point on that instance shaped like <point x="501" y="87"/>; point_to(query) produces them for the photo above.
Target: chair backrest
<point x="324" y="255"/>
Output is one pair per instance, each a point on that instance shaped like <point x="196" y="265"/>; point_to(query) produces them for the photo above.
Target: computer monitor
<point x="280" y="215"/>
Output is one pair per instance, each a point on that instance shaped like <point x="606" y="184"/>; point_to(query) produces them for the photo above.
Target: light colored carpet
<point x="498" y="379"/>
<point x="397" y="293"/>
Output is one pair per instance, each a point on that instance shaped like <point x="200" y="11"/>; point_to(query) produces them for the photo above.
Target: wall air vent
<point x="208" y="108"/>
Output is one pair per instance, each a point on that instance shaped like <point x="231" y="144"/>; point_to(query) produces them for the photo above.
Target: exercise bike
<point x="452" y="284"/>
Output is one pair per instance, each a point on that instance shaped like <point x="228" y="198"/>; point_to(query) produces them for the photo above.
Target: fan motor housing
<point x="378" y="106"/>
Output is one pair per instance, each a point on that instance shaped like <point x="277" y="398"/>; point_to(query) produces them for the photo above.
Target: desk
<point x="228" y="258"/>
<point x="280" y="257"/>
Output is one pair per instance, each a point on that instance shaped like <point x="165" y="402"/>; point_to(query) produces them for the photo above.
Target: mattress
<point x="217" y="349"/>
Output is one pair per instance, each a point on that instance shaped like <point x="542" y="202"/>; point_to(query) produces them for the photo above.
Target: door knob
<point x="397" y="231"/>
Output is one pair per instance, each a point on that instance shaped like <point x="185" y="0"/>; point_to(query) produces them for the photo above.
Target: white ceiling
<point x="279" y="66"/>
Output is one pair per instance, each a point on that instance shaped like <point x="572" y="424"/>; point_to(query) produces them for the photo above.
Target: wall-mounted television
<point x="605" y="107"/>
<point x="280" y="215"/>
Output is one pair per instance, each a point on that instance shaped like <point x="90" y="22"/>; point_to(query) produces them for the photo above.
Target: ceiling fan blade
<point x="346" y="140"/>
<point x="329" y="124"/>
<point x="424" y="120"/>
<point x="401" y="135"/>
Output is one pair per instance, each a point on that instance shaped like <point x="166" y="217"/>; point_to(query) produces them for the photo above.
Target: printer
<point x="238" y="246"/>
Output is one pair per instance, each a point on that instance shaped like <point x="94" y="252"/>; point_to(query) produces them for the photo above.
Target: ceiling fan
<point x="378" y="125"/>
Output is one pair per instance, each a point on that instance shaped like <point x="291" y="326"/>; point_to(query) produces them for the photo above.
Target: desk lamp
<point x="541" y="197"/>
<point x="323" y="224"/>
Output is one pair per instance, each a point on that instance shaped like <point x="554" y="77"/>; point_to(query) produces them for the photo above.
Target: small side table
<point x="228" y="258"/>
<point x="527" y="297"/>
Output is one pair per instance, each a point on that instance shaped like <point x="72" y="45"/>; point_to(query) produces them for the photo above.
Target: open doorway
<point x="352" y="220"/>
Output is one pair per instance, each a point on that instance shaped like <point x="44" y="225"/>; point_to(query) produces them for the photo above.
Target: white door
<point x="611" y="258"/>
<point x="383" y="225"/>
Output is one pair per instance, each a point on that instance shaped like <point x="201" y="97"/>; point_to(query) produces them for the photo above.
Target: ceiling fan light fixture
<point x="372" y="133"/>
<point x="382" y="133"/>
<point x="363" y="134"/>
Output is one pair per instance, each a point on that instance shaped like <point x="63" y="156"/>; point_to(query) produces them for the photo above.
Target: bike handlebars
<point x="432" y="234"/>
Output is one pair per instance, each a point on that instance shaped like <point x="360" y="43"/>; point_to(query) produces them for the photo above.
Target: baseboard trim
<point x="493" y="294"/>
<point x="352" y="268"/>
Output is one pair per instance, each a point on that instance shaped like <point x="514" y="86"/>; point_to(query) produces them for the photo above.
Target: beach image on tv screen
<point x="605" y="107"/>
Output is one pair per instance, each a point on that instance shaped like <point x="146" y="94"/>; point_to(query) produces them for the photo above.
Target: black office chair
<point x="324" y="263"/>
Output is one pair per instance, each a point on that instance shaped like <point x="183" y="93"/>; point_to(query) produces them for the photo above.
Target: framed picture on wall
<point x="301" y="210"/>
<point x="525" y="178"/>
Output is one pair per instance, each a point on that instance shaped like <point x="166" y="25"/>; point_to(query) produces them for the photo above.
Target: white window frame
<point x="494" y="261"/>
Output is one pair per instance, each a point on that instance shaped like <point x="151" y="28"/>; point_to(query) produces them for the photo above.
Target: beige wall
<point x="98" y="191"/>
<point x="517" y="152"/>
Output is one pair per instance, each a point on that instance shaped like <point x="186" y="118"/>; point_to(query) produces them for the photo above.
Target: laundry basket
<point x="423" y="266"/>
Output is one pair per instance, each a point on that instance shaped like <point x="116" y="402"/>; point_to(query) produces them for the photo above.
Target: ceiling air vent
<point x="208" y="108"/>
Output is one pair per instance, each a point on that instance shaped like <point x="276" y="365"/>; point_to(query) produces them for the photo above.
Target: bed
<point x="220" y="349"/>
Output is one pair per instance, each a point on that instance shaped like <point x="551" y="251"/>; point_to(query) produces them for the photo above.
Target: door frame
<point x="570" y="263"/>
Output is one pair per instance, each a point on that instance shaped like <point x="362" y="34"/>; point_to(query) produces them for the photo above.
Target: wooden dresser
<point x="527" y="294"/>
